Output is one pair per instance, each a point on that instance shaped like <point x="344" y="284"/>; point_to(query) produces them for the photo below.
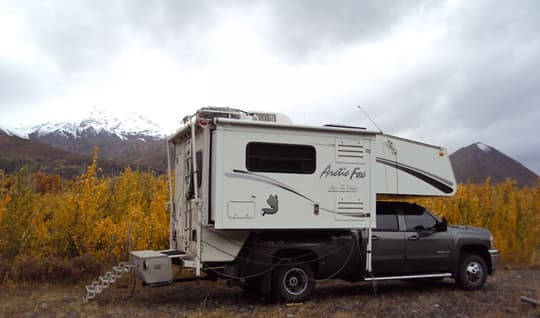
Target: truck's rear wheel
<point x="472" y="272"/>
<point x="293" y="283"/>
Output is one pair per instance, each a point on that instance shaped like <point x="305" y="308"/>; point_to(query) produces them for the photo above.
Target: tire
<point x="472" y="272"/>
<point x="293" y="283"/>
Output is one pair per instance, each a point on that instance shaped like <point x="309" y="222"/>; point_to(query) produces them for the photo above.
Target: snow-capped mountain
<point x="129" y="138"/>
<point x="14" y="132"/>
<point x="100" y="121"/>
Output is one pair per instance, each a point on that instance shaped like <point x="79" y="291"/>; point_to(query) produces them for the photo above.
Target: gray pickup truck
<point x="408" y="243"/>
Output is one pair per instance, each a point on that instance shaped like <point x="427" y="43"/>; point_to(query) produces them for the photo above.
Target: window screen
<point x="281" y="158"/>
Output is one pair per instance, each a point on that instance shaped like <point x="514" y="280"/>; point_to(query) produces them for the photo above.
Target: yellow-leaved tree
<point x="87" y="203"/>
<point x="512" y="214"/>
<point x="17" y="209"/>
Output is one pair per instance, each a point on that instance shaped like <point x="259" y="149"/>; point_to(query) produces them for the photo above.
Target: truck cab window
<point x="386" y="222"/>
<point x="386" y="218"/>
<point x="416" y="221"/>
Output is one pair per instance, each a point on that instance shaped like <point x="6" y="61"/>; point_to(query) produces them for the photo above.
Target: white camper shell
<point x="237" y="172"/>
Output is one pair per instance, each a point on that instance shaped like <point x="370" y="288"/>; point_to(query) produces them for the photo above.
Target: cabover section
<point x="278" y="176"/>
<point x="410" y="168"/>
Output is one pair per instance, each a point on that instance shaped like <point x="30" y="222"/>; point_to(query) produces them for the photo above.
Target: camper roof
<point x="185" y="131"/>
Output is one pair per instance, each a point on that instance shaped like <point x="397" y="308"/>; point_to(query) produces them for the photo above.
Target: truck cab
<point x="410" y="242"/>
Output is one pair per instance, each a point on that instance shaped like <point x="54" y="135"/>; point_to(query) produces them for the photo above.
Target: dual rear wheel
<point x="293" y="283"/>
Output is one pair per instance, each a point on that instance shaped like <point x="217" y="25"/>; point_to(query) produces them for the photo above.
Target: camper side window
<point x="280" y="158"/>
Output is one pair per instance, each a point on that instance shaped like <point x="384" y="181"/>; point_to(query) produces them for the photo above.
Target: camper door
<point x="191" y="184"/>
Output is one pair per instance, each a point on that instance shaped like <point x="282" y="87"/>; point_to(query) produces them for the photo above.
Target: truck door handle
<point x="375" y="238"/>
<point x="413" y="238"/>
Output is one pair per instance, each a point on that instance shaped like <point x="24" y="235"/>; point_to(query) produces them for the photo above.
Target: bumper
<point x="494" y="256"/>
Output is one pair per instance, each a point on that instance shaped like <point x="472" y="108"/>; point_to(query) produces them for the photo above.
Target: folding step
<point x="189" y="261"/>
<point x="106" y="280"/>
<point x="173" y="253"/>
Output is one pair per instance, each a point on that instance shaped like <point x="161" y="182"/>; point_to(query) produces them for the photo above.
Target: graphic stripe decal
<point x="257" y="177"/>
<point x="267" y="180"/>
<point x="440" y="183"/>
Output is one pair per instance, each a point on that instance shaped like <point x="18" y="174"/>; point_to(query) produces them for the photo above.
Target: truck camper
<point x="275" y="206"/>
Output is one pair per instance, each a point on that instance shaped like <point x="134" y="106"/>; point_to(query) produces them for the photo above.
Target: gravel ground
<point x="500" y="297"/>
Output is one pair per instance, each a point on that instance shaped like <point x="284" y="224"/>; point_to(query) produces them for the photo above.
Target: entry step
<point x="173" y="253"/>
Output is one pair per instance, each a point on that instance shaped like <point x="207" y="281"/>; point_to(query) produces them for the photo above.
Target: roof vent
<point x="264" y="116"/>
<point x="212" y="112"/>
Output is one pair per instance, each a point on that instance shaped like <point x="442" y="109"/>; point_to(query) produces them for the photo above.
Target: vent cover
<point x="351" y="151"/>
<point x="271" y="117"/>
<point x="349" y="207"/>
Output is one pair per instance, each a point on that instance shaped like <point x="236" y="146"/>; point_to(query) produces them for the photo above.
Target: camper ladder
<point x="192" y="202"/>
<point x="106" y="280"/>
<point x="188" y="179"/>
<point x="196" y="199"/>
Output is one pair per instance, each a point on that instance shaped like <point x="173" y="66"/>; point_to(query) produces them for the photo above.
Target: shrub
<point x="31" y="269"/>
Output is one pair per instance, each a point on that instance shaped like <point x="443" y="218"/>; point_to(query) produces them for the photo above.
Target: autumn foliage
<point x="44" y="218"/>
<point x="93" y="219"/>
<point x="512" y="215"/>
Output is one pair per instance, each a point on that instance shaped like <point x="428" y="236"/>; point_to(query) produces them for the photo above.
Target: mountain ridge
<point x="478" y="161"/>
<point x="18" y="152"/>
<point x="98" y="120"/>
<point x="134" y="140"/>
<point x="128" y="138"/>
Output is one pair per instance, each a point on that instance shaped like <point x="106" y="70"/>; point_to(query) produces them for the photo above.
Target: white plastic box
<point x="152" y="267"/>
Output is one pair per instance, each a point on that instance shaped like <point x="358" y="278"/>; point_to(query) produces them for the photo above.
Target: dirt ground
<point x="499" y="298"/>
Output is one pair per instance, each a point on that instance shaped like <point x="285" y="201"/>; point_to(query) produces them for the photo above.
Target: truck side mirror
<point x="443" y="225"/>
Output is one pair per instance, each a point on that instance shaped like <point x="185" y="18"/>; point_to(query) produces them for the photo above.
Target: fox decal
<point x="273" y="203"/>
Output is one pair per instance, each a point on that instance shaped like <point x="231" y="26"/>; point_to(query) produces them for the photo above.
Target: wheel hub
<point x="295" y="281"/>
<point x="474" y="272"/>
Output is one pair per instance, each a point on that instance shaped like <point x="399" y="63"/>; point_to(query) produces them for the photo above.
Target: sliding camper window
<point x="280" y="158"/>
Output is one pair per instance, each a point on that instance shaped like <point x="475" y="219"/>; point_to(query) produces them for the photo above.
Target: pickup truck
<point x="409" y="242"/>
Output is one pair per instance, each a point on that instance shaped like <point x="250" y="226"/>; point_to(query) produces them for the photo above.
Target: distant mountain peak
<point x="478" y="161"/>
<point x="14" y="132"/>
<point x="100" y="120"/>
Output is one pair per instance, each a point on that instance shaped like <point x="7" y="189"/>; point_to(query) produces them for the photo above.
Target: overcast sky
<point x="443" y="72"/>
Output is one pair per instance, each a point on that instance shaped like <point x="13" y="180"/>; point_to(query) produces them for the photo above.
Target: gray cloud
<point x="477" y="82"/>
<point x="299" y="27"/>
<point x="481" y="85"/>
<point x="90" y="34"/>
